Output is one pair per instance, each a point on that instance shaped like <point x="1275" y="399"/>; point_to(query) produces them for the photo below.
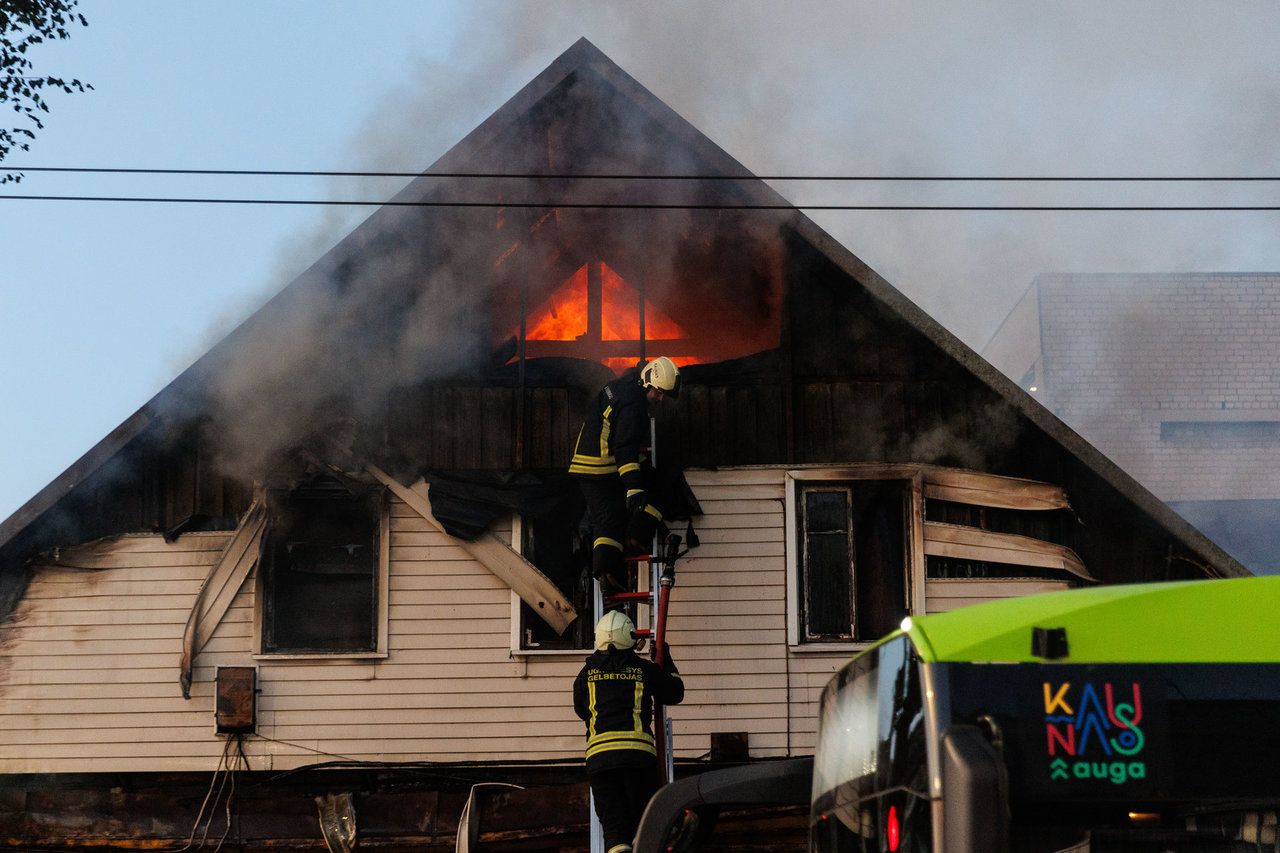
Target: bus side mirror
<point x="975" y="793"/>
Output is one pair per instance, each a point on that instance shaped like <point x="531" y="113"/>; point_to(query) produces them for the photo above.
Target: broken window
<point x="320" y="570"/>
<point x="852" y="559"/>
<point x="554" y="548"/>
<point x="977" y="542"/>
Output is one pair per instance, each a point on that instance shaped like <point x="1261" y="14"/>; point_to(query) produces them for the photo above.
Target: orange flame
<point x="564" y="317"/>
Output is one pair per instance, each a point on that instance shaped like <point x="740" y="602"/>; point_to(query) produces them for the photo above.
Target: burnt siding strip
<point x="498" y="436"/>
<point x="770" y="424"/>
<point x="745" y="412"/>
<point x="440" y="454"/>
<point x="540" y="433"/>
<point x="815" y="422"/>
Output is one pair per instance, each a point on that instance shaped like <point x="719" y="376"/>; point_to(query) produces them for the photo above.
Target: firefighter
<point x="614" y="693"/>
<point x="607" y="463"/>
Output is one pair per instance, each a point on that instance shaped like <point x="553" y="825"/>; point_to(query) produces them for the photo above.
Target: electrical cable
<point x="652" y="177"/>
<point x="213" y="783"/>
<point x="604" y="205"/>
<point x="227" y="771"/>
<point x="507" y="205"/>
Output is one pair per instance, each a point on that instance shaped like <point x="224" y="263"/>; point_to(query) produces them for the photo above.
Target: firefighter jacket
<point x="614" y="433"/>
<point x="614" y="693"/>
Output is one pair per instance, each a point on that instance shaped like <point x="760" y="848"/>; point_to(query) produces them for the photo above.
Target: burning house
<point x="329" y="579"/>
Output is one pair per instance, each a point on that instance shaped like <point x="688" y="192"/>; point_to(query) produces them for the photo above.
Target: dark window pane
<point x="320" y="571"/>
<point x="322" y="612"/>
<point x="828" y="590"/>
<point x="827" y="574"/>
<point x="853" y="570"/>
<point x="553" y="547"/>
<point x="826" y="511"/>
<point x="881" y="557"/>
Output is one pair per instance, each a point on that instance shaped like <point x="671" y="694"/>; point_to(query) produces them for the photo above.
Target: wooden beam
<point x="220" y="587"/>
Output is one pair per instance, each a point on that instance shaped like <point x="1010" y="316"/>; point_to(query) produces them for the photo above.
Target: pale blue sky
<point x="101" y="305"/>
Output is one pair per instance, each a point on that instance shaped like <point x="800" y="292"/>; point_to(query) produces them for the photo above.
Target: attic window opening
<point x="320" y="571"/>
<point x="597" y="314"/>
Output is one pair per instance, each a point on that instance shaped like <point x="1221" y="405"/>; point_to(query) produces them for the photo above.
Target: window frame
<point x="795" y="482"/>
<point x="518" y="648"/>
<point x="381" y="595"/>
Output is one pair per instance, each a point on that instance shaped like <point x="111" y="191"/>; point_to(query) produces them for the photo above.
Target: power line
<point x="1060" y="208"/>
<point x="538" y="176"/>
<point x="661" y="177"/>
<point x="543" y="176"/>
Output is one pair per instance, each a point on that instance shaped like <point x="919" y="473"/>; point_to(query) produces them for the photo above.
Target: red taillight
<point x="892" y="828"/>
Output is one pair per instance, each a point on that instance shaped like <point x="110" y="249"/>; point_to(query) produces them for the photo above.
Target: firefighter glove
<point x="636" y="500"/>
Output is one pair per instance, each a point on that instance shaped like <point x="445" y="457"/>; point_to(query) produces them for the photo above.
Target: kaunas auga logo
<point x="1094" y="731"/>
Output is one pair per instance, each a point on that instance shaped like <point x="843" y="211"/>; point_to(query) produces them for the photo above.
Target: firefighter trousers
<point x="621" y="795"/>
<point x="606" y="499"/>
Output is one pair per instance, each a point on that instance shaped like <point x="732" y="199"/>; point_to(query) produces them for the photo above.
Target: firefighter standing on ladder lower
<point x="607" y="463"/>
<point x="614" y="693"/>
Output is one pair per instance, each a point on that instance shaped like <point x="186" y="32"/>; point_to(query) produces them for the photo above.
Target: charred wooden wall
<point x="851" y="382"/>
<point x="161" y="481"/>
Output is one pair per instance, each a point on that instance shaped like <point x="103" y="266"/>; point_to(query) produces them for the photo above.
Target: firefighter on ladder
<point x="607" y="465"/>
<point x="614" y="693"/>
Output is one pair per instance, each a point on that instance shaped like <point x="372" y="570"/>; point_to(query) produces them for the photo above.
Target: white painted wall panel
<point x="89" y="665"/>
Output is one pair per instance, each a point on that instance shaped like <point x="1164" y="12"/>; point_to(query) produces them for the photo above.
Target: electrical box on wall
<point x="236" y="709"/>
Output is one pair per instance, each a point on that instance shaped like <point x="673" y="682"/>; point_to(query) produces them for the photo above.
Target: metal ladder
<point x="657" y="597"/>
<point x="661" y="578"/>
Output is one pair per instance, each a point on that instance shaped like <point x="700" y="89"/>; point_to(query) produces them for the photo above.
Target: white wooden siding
<point x="726" y="624"/>
<point x="89" y="660"/>
<point x="944" y="595"/>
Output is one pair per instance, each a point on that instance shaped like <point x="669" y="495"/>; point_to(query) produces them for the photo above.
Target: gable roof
<point x="443" y="187"/>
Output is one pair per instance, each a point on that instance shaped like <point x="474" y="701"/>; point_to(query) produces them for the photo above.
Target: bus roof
<point x="1175" y="622"/>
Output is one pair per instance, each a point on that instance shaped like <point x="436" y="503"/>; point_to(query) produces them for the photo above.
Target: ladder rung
<point x="637" y="558"/>
<point x="629" y="596"/>
<point x="642" y="632"/>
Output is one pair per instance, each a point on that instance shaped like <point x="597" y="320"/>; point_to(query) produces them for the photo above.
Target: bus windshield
<point x="870" y="774"/>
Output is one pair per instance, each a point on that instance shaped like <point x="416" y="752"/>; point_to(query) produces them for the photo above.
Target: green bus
<point x="1120" y="718"/>
<point x="1132" y="718"/>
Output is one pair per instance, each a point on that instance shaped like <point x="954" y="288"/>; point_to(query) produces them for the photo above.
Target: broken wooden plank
<point x="971" y="487"/>
<point x="523" y="577"/>
<point x="220" y="586"/>
<point x="971" y="543"/>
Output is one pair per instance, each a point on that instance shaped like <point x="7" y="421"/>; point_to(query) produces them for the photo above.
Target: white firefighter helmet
<point x="616" y="629"/>
<point x="662" y="373"/>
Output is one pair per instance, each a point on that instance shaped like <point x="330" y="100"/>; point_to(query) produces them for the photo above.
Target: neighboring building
<point x="1174" y="376"/>
<point x="267" y="536"/>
